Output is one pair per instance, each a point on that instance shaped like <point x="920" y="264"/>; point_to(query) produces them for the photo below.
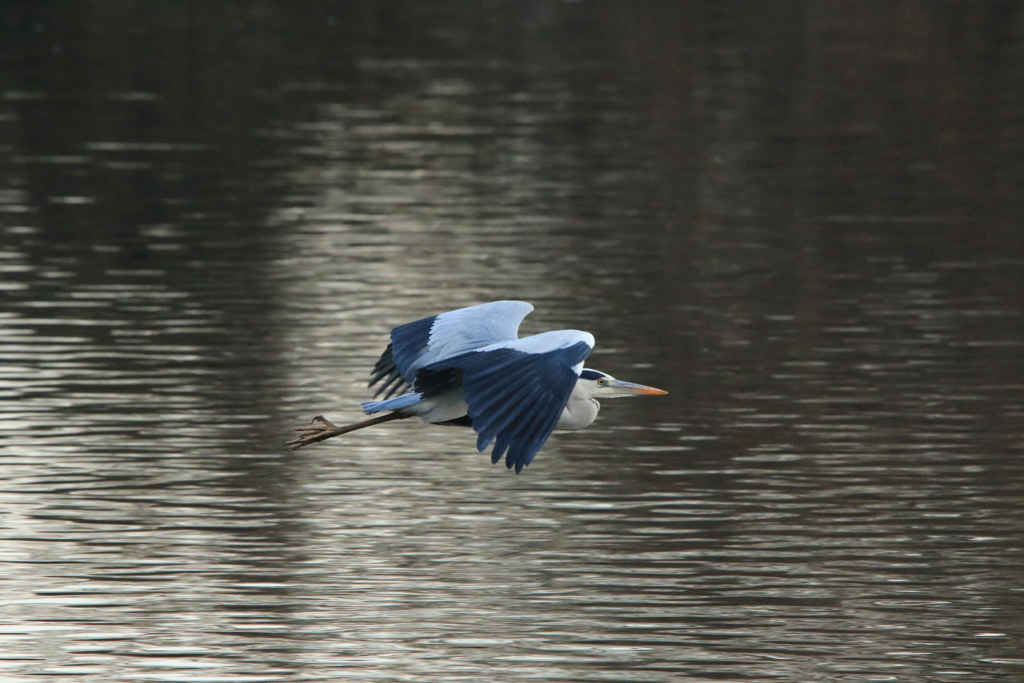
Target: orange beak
<point x="628" y="388"/>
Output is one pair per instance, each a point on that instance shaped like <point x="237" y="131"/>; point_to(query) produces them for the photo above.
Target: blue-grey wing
<point x="423" y="342"/>
<point x="515" y="397"/>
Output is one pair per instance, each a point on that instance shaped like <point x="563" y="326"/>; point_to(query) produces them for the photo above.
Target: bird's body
<point x="468" y="367"/>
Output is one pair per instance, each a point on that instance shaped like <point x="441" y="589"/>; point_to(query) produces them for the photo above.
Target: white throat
<point x="581" y="410"/>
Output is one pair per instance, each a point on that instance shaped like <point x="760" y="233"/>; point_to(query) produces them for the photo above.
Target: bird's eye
<point x="601" y="382"/>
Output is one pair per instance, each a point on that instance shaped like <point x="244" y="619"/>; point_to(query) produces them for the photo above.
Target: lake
<point x="802" y="219"/>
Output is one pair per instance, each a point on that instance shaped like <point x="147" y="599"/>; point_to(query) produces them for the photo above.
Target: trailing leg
<point x="326" y="429"/>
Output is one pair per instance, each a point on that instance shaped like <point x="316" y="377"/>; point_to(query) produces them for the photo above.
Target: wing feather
<point x="516" y="391"/>
<point x="430" y="340"/>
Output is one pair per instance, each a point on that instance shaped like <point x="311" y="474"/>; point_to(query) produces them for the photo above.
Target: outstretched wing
<point x="418" y="344"/>
<point x="516" y="390"/>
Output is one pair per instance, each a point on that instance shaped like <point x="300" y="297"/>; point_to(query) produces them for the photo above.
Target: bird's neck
<point x="580" y="411"/>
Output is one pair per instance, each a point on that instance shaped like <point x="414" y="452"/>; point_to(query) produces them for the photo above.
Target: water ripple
<point x="190" y="266"/>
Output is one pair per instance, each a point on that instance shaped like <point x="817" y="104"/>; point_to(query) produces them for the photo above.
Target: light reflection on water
<point x="829" y="492"/>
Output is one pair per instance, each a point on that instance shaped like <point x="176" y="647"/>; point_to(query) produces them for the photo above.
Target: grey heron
<point x="469" y="367"/>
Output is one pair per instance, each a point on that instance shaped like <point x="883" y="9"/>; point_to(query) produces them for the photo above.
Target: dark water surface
<point x="802" y="219"/>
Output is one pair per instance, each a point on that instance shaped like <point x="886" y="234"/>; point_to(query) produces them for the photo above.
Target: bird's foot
<point x="319" y="429"/>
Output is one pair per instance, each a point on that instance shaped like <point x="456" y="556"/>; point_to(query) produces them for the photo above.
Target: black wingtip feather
<point x="385" y="369"/>
<point x="515" y="398"/>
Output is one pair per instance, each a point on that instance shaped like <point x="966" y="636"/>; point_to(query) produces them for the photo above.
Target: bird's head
<point x="603" y="385"/>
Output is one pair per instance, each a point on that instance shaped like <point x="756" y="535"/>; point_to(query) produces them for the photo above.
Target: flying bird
<point x="470" y="368"/>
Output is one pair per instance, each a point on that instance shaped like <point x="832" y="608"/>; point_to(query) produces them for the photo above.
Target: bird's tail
<point x="404" y="401"/>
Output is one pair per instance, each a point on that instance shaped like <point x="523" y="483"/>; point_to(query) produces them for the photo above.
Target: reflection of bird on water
<point x="468" y="367"/>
